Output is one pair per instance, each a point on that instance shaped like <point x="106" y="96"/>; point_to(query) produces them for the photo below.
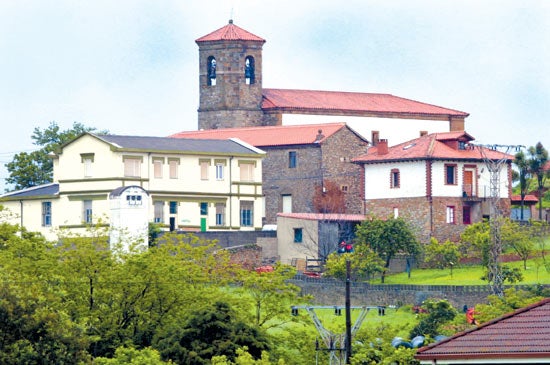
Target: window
<point x="204" y="208"/>
<point x="249" y="74"/>
<point x="450" y="174"/>
<point x="87" y="211"/>
<point x="292" y="159"/>
<point x="247" y="171"/>
<point x="287" y="203"/>
<point x="173" y="207"/>
<point x="394" y="179"/>
<point x="297" y="235"/>
<point x="157" y="169"/>
<point x="88" y="167"/>
<point x="344" y="188"/>
<point x="204" y="164"/>
<point x="395" y="212"/>
<point x="133" y="199"/>
<point x="220" y="214"/>
<point x="450" y="216"/>
<point x="219" y="171"/>
<point x="173" y="164"/>
<point x="46" y="214"/>
<point x="159" y="211"/>
<point x="132" y="167"/>
<point x="461" y="145"/>
<point x="247" y="213"/>
<point x="211" y="71"/>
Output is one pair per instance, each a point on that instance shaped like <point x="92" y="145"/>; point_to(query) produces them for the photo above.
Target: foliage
<point x="211" y="331"/>
<point x="374" y="347"/>
<point x="132" y="356"/>
<point x="442" y="255"/>
<point x="437" y="313"/>
<point x="538" y="156"/>
<point x="387" y="238"/>
<point x="509" y="302"/>
<point x="519" y="239"/>
<point x="36" y="168"/>
<point x="329" y="198"/>
<point x="364" y="263"/>
<point x="271" y="294"/>
<point x="520" y="160"/>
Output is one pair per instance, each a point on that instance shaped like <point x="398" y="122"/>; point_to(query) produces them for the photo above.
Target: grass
<point x="465" y="275"/>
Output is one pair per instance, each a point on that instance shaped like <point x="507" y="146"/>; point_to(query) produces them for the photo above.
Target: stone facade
<point x="230" y="101"/>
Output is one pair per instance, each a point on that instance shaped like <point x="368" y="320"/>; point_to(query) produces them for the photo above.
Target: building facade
<point x="191" y="184"/>
<point x="439" y="182"/>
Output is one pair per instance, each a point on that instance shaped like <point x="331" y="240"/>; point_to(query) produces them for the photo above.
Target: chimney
<point x="423" y="133"/>
<point x="382" y="147"/>
<point x="319" y="136"/>
<point x="375" y="137"/>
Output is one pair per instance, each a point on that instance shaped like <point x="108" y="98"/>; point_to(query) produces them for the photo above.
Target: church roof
<point x="351" y="103"/>
<point x="523" y="334"/>
<point x="230" y="32"/>
<point x="270" y="135"/>
<point x="431" y="146"/>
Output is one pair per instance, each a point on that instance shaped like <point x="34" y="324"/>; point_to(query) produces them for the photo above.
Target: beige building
<point x="191" y="184"/>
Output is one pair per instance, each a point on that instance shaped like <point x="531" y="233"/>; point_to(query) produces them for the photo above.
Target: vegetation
<point x="36" y="168"/>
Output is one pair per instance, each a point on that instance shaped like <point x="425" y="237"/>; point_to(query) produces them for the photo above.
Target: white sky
<point x="131" y="66"/>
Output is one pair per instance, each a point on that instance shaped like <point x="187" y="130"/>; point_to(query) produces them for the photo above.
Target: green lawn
<point x="465" y="275"/>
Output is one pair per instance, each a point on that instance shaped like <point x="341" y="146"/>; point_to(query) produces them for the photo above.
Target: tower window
<point x="211" y="71"/>
<point x="249" y="74"/>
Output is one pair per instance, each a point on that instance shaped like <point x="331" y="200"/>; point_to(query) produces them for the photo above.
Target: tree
<point x="213" y="330"/>
<point x="520" y="160"/>
<point x="36" y="168"/>
<point x="442" y="255"/>
<point x="437" y="313"/>
<point x="538" y="156"/>
<point x="387" y="238"/>
<point x="364" y="263"/>
<point x="329" y="198"/>
<point x="519" y="239"/>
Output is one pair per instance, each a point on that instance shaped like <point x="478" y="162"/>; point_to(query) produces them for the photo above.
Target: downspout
<point x="429" y="193"/>
<point x="230" y="192"/>
<point x="21" y="212"/>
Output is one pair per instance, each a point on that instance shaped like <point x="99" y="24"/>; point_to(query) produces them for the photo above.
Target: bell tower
<point x="230" y="78"/>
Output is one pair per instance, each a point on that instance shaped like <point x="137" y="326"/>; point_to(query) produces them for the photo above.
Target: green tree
<point x="387" y="238"/>
<point x="364" y="263"/>
<point x="520" y="160"/>
<point x="437" y="313"/>
<point x="36" y="168"/>
<point x="271" y="294"/>
<point x="497" y="306"/>
<point x="538" y="156"/>
<point x="214" y="330"/>
<point x="442" y="255"/>
<point x="519" y="239"/>
<point x="132" y="356"/>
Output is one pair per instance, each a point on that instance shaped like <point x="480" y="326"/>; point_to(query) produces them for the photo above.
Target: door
<point x="466" y="219"/>
<point x="468" y="187"/>
<point x="172" y="224"/>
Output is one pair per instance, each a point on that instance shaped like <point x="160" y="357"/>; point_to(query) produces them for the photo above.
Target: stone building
<point x="301" y="158"/>
<point x="439" y="182"/>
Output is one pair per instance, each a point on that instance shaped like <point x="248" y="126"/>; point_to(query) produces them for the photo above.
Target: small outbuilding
<point x="129" y="220"/>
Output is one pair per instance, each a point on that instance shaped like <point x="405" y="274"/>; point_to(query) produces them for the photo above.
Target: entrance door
<point x="172" y="224"/>
<point x="466" y="219"/>
<point x="468" y="183"/>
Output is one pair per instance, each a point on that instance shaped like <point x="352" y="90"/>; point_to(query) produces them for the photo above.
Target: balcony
<point x="469" y="193"/>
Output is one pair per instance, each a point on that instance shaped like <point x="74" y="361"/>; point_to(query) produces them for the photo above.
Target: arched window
<point x="249" y="71"/>
<point x="211" y="71"/>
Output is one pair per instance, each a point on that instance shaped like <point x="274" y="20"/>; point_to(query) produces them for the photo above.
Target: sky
<point x="131" y="66"/>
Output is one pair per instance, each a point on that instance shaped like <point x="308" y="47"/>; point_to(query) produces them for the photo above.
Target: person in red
<point x="470" y="316"/>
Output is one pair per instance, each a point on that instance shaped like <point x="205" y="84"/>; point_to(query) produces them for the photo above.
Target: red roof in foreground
<point x="431" y="146"/>
<point x="325" y="216"/>
<point x="269" y="136"/>
<point x="524" y="333"/>
<point x="230" y="32"/>
<point x="350" y="102"/>
<point x="527" y="198"/>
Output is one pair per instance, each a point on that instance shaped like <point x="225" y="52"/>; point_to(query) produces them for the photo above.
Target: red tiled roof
<point x="269" y="136"/>
<point x="325" y="216"/>
<point x="527" y="198"/>
<point x="524" y="333"/>
<point x="431" y="147"/>
<point x="350" y="102"/>
<point x="230" y="32"/>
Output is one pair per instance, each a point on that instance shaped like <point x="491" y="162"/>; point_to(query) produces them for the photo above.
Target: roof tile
<point x="230" y="32"/>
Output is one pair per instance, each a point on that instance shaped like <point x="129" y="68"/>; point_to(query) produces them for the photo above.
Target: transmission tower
<point x="494" y="164"/>
<point x="335" y="343"/>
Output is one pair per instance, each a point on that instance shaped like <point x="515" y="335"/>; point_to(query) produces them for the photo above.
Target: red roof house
<point x="521" y="337"/>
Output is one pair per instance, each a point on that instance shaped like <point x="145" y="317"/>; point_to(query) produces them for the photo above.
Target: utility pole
<point x="494" y="165"/>
<point x="348" y="311"/>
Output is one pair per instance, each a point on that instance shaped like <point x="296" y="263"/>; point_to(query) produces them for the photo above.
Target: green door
<point x="203" y="224"/>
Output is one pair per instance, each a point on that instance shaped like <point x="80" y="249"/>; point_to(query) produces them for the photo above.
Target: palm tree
<point x="538" y="156"/>
<point x="523" y="168"/>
